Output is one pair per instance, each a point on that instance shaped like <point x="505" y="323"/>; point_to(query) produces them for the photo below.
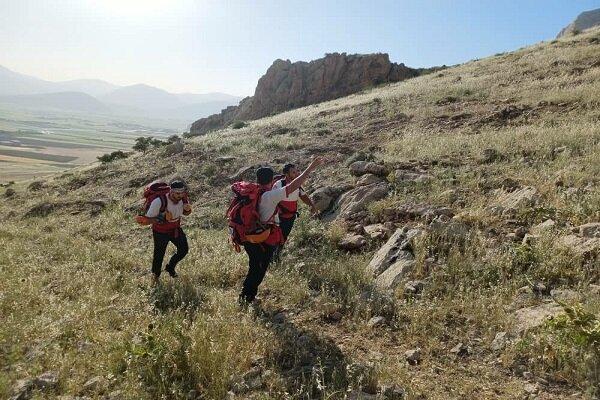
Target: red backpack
<point x="152" y="191"/>
<point x="243" y="216"/>
<point x="158" y="189"/>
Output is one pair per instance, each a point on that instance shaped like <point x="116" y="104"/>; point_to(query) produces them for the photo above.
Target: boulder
<point x="358" y="199"/>
<point x="393" y="392"/>
<point x="545" y="226"/>
<point x="391" y="277"/>
<point x="352" y="242"/>
<point x="242" y="173"/>
<point x="524" y="197"/>
<point x="581" y="245"/>
<point x="396" y="249"/>
<point x="368" y="179"/>
<point x="591" y="230"/>
<point x="360" y="168"/>
<point x="531" y="317"/>
<point x="324" y="197"/>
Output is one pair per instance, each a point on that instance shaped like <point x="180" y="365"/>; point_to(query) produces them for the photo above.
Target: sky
<point x="225" y="46"/>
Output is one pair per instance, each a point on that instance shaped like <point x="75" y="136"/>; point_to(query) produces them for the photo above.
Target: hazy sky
<point x="203" y="45"/>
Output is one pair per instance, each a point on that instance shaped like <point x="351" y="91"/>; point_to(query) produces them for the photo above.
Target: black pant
<point x="286" y="225"/>
<point x="161" y="241"/>
<point x="259" y="256"/>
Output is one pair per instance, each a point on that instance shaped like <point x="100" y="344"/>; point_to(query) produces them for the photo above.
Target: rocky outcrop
<point x="288" y="85"/>
<point x="585" y="20"/>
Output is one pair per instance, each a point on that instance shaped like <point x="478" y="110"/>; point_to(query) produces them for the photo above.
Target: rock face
<point x="288" y="85"/>
<point x="585" y="20"/>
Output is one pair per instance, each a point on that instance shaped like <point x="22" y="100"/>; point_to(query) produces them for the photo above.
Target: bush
<point x="239" y="125"/>
<point x="144" y="144"/>
<point x="115" y="155"/>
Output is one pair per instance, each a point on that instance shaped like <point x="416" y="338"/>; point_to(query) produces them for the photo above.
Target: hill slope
<point x="473" y="158"/>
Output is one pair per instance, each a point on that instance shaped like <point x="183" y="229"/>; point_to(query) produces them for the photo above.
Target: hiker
<point x="165" y="205"/>
<point x="260" y="238"/>
<point x="288" y="208"/>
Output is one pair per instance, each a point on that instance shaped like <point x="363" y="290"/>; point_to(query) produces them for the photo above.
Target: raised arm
<point x="299" y="181"/>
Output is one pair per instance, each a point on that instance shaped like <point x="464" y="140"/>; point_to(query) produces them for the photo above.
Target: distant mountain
<point x="69" y="101"/>
<point x="102" y="96"/>
<point x="585" y="20"/>
<point x="93" y="87"/>
<point x="143" y="97"/>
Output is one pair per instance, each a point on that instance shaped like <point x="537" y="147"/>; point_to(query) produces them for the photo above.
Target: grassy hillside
<point x="75" y="298"/>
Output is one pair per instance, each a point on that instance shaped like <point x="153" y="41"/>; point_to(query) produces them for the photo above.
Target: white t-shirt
<point x="268" y="204"/>
<point x="294" y="196"/>
<point x="176" y="209"/>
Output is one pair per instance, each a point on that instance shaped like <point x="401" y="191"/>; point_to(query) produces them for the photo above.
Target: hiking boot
<point x="171" y="271"/>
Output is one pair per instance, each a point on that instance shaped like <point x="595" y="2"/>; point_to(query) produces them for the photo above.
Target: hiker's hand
<point x="187" y="209"/>
<point x="143" y="220"/>
<point x="317" y="162"/>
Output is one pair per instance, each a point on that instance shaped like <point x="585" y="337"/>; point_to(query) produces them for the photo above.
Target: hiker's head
<point x="264" y="176"/>
<point x="291" y="172"/>
<point x="178" y="190"/>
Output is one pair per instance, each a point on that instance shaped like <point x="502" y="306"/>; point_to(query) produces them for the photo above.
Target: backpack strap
<point x="163" y="203"/>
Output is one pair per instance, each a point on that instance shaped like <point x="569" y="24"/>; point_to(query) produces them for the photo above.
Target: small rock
<point x="594" y="289"/>
<point x="192" y="395"/>
<point x="335" y="316"/>
<point x="360" y="395"/>
<point x="230" y="395"/>
<point x="47" y="380"/>
<point x="22" y="389"/>
<point x="412" y="288"/>
<point x="92" y="385"/>
<point x="528" y="375"/>
<point x="377" y="231"/>
<point x="393" y="392"/>
<point x="531" y="388"/>
<point x="499" y="341"/>
<point x="460" y="350"/>
<point x="279" y="318"/>
<point x="413" y="356"/>
<point x="540" y="289"/>
<point x="352" y="242"/>
<point x="376" y="321"/>
<point x="520" y="232"/>
<point x="115" y="395"/>
<point x="10" y="192"/>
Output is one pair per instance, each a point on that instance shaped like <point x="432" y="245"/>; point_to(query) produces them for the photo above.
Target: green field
<point x="36" y="143"/>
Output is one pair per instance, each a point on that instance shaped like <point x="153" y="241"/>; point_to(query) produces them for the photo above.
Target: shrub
<point x="143" y="144"/>
<point x="239" y="124"/>
<point x="115" y="155"/>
